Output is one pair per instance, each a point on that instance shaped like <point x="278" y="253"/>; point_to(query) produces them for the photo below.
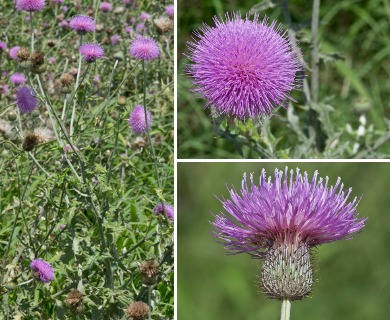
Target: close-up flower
<point x="137" y="120"/>
<point x="43" y="270"/>
<point x="29" y="5"/>
<point x="280" y="221"/>
<point x="91" y="51"/>
<point x="243" y="67"/>
<point x="25" y="100"/>
<point x="144" y="48"/>
<point x="82" y="24"/>
<point x="105" y="6"/>
<point x="170" y="10"/>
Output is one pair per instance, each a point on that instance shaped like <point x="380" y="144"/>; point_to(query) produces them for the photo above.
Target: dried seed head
<point x="75" y="301"/>
<point x="30" y="141"/>
<point x="23" y="54"/>
<point x="149" y="272"/>
<point x="163" y="25"/>
<point x="287" y="272"/>
<point x="37" y="58"/>
<point x="66" y="79"/>
<point x="138" y="310"/>
<point x="51" y="43"/>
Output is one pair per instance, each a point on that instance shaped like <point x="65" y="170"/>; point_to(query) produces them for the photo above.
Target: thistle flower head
<point x="43" y="270"/>
<point x="13" y="53"/>
<point x="243" y="68"/>
<point x="82" y="24"/>
<point x="25" y="101"/>
<point x="138" y="310"/>
<point x="91" y="52"/>
<point x="170" y="10"/>
<point x="17" y="78"/>
<point x="29" y="5"/>
<point x="3" y="45"/>
<point x="144" y="16"/>
<point x="280" y="220"/>
<point x="105" y="6"/>
<point x="144" y="48"/>
<point x="137" y="120"/>
<point x="170" y="211"/>
<point x="75" y="301"/>
<point x="149" y="271"/>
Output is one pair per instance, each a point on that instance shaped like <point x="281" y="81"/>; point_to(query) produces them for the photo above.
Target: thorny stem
<point x="76" y="88"/>
<point x="314" y="52"/>
<point x="285" y="311"/>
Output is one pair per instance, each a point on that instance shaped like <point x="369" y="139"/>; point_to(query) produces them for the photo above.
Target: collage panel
<point x="87" y="159"/>
<point x="255" y="238"/>
<point x="283" y="79"/>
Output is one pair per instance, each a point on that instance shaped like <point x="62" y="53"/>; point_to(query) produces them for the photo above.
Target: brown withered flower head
<point x="149" y="272"/>
<point x="75" y="301"/>
<point x="138" y="310"/>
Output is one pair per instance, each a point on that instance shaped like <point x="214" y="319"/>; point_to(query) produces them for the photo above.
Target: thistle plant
<point x="78" y="186"/>
<point x="280" y="221"/>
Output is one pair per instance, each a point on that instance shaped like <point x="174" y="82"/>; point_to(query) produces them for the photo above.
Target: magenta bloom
<point x="170" y="211"/>
<point x="18" y="78"/>
<point x="105" y="6"/>
<point x="144" y="48"/>
<point x="3" y="45"/>
<point x="91" y="51"/>
<point x="13" y="53"/>
<point x="137" y="120"/>
<point x="29" y="5"/>
<point x="43" y="270"/>
<point x="82" y="24"/>
<point x="115" y="39"/>
<point x="25" y="101"/>
<point x="286" y="210"/>
<point x="64" y="24"/>
<point x="170" y="10"/>
<point x="144" y="16"/>
<point x="244" y="68"/>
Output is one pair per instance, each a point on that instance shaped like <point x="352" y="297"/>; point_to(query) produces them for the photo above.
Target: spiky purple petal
<point x="288" y="209"/>
<point x="43" y="269"/>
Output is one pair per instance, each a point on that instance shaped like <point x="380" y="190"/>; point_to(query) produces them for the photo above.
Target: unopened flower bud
<point x="11" y="116"/>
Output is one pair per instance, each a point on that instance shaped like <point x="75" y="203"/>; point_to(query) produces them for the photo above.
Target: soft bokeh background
<point x="353" y="276"/>
<point x="355" y="31"/>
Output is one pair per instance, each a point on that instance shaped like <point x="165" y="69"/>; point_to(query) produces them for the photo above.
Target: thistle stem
<point x="77" y="85"/>
<point x="150" y="302"/>
<point x="32" y="32"/>
<point x="285" y="311"/>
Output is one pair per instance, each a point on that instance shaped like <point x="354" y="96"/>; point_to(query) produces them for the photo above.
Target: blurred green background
<point x="353" y="276"/>
<point x="357" y="31"/>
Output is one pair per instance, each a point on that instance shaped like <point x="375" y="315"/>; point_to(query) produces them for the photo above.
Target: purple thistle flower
<point x="281" y="220"/>
<point x="43" y="270"/>
<point x="115" y="39"/>
<point x="144" y="16"/>
<point x="243" y="68"/>
<point x="25" y="101"/>
<point x="82" y="24"/>
<point x="91" y="51"/>
<point x="137" y="120"/>
<point x="64" y="24"/>
<point x="13" y="53"/>
<point x="144" y="48"/>
<point x="170" y="10"/>
<point x="3" y="45"/>
<point x="29" y="5"/>
<point x="17" y="78"/>
<point x="105" y="6"/>
<point x="170" y="211"/>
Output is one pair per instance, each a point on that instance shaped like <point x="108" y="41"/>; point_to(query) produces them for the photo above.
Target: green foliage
<point x="89" y="213"/>
<point x="351" y="275"/>
<point x="351" y="118"/>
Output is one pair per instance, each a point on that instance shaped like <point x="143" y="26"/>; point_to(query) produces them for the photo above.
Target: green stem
<point x="76" y="87"/>
<point x="285" y="311"/>
<point x="32" y="32"/>
<point x="150" y="302"/>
